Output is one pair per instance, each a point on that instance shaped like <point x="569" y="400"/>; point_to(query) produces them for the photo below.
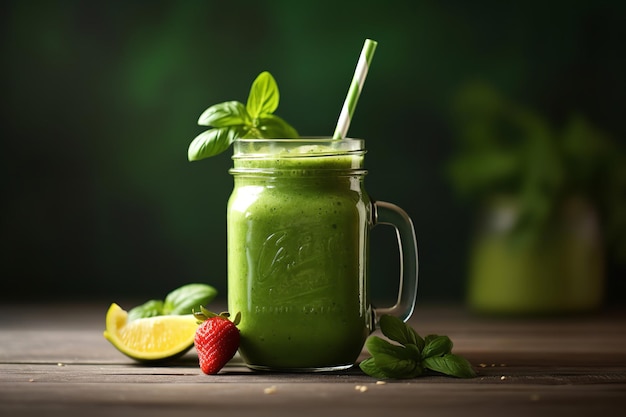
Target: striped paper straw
<point x="365" y="59"/>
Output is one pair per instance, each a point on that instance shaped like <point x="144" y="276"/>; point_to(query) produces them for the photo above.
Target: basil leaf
<point x="188" y="298"/>
<point x="148" y="309"/>
<point x="232" y="120"/>
<point x="437" y="346"/>
<point x="394" y="361"/>
<point x="396" y="330"/>
<point x="369" y="367"/>
<point x="212" y="142"/>
<point x="273" y="127"/>
<point x="229" y="113"/>
<point x="264" y="96"/>
<point x="398" y="368"/>
<point x="450" y="364"/>
<point x="378" y="346"/>
<point x="413" y="351"/>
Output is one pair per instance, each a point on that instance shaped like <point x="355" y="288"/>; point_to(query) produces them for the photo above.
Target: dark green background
<point x="100" y="101"/>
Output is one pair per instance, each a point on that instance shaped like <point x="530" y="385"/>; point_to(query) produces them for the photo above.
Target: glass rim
<point x="288" y="147"/>
<point x="299" y="139"/>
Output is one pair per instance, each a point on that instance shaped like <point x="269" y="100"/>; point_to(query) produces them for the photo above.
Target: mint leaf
<point x="186" y="299"/>
<point x="398" y="331"/>
<point x="437" y="346"/>
<point x="148" y="309"/>
<point x="264" y="96"/>
<point x="450" y="364"/>
<point x="229" y="113"/>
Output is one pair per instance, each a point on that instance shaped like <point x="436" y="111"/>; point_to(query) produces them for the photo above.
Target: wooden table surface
<point x="55" y="361"/>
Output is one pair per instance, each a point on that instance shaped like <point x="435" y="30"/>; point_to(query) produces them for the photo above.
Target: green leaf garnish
<point x="264" y="96"/>
<point x="450" y="364"/>
<point x="185" y="299"/>
<point x="394" y="361"/>
<point x="150" y="308"/>
<point x="182" y="300"/>
<point x="230" y="113"/>
<point x="437" y="346"/>
<point x="413" y="355"/>
<point x="212" y="142"/>
<point x="396" y="330"/>
<point x="232" y="120"/>
<point x="369" y="367"/>
<point x="380" y="347"/>
<point x="272" y="126"/>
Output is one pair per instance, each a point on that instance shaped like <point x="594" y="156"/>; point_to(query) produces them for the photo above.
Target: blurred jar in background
<point x="560" y="271"/>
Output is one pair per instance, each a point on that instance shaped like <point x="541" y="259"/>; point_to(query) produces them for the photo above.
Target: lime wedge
<point x="152" y="339"/>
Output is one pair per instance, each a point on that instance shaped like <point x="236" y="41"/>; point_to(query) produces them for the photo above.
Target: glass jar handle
<point x="390" y="214"/>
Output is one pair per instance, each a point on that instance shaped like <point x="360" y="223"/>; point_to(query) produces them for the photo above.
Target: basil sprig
<point x="413" y="355"/>
<point x="232" y="120"/>
<point x="183" y="300"/>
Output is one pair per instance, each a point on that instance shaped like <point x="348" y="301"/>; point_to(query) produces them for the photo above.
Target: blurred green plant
<point x="507" y="149"/>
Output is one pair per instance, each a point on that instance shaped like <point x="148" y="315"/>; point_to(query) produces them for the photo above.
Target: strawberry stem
<point x="205" y="314"/>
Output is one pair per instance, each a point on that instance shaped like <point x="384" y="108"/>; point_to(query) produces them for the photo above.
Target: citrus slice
<point x="152" y="339"/>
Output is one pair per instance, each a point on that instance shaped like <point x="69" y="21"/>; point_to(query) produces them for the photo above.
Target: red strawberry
<point x="216" y="340"/>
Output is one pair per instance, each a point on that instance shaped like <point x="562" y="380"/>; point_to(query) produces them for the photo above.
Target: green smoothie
<point x="298" y="231"/>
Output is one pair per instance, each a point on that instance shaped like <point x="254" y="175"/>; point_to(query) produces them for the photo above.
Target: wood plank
<point x="312" y="398"/>
<point x="60" y="364"/>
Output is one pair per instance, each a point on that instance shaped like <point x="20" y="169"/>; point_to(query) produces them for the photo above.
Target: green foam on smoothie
<point x="261" y="154"/>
